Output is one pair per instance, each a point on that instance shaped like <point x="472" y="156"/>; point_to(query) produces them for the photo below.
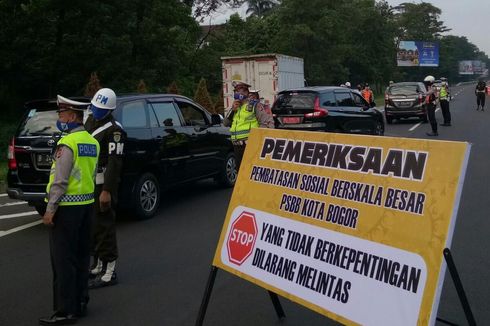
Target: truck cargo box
<point x="271" y="73"/>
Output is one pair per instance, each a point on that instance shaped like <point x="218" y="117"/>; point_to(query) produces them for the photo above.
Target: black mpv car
<point x="326" y="108"/>
<point x="170" y="140"/>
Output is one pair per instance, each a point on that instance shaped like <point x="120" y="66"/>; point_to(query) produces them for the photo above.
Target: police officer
<point x="243" y="116"/>
<point x="444" y="96"/>
<point x="430" y="102"/>
<point x="480" y="94"/>
<point x="69" y="211"/>
<point x="111" y="136"/>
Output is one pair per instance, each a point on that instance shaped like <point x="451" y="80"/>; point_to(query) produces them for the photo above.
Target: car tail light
<point x="12" y="162"/>
<point x="317" y="110"/>
<point x="421" y="99"/>
<point x="387" y="98"/>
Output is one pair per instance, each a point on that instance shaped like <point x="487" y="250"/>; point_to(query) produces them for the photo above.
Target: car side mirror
<point x="215" y="119"/>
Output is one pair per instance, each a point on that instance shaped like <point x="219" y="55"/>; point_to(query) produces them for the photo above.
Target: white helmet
<point x="105" y="99"/>
<point x="429" y="79"/>
<point x="347" y="84"/>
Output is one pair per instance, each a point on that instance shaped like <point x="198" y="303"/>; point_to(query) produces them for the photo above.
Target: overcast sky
<point x="465" y="17"/>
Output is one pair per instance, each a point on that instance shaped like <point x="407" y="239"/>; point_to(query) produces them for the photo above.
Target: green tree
<point x="202" y="96"/>
<point x="419" y="21"/>
<point x="259" y="8"/>
<point x="141" y="88"/>
<point x="219" y="105"/>
<point x="92" y="86"/>
<point x="173" y="88"/>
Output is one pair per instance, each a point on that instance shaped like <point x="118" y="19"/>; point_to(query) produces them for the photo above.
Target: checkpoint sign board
<point x="350" y="226"/>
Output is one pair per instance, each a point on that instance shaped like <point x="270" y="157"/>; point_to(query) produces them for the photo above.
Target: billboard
<point x="472" y="67"/>
<point x="352" y="227"/>
<point x="417" y="54"/>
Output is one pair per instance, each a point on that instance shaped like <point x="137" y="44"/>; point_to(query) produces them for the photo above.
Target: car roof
<point x="315" y="89"/>
<point x="149" y="96"/>
<point x="405" y="84"/>
<point x="48" y="103"/>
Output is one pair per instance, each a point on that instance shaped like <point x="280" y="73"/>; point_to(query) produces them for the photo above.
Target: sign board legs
<point x="459" y="289"/>
<point x="209" y="289"/>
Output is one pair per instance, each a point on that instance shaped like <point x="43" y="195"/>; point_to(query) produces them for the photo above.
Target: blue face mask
<point x="238" y="96"/>
<point x="253" y="102"/>
<point x="65" y="126"/>
<point x="99" y="113"/>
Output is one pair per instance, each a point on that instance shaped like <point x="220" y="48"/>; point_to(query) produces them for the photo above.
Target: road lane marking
<point x="3" y="195"/>
<point x="14" y="203"/>
<point x="20" y="228"/>
<point x="418" y="124"/>
<point x="415" y="126"/>
<point x="4" y="217"/>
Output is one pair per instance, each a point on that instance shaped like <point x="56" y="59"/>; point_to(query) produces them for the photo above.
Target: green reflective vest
<point x="81" y="186"/>
<point x="243" y="121"/>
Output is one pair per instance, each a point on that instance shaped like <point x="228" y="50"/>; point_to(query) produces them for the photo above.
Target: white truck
<point x="271" y="73"/>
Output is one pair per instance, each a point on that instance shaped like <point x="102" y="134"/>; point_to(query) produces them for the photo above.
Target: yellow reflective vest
<point x="443" y="93"/>
<point x="244" y="119"/>
<point x="81" y="186"/>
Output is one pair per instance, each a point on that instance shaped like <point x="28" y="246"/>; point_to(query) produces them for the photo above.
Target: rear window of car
<point x="327" y="99"/>
<point x="296" y="100"/>
<point x="38" y="123"/>
<point x="403" y="89"/>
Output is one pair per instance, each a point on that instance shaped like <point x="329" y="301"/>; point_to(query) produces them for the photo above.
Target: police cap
<point x="67" y="104"/>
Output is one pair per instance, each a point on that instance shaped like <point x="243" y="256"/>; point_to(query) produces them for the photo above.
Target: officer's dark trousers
<point x="445" y="111"/>
<point x="70" y="257"/>
<point x="104" y="241"/>
<point x="480" y="99"/>
<point x="239" y="150"/>
<point x="431" y="114"/>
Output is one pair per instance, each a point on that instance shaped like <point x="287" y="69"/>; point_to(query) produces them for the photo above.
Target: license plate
<point x="405" y="103"/>
<point x="43" y="160"/>
<point x="291" y="120"/>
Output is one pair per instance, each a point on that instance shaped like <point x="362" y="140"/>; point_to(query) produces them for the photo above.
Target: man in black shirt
<point x="480" y="90"/>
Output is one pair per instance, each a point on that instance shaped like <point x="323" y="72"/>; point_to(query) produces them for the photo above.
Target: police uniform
<point x="242" y="120"/>
<point x="444" y="100"/>
<point x="111" y="137"/>
<point x="70" y="196"/>
<point x="480" y="95"/>
<point x="430" y="101"/>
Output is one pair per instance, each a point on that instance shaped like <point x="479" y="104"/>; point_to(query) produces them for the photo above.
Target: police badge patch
<point x="117" y="136"/>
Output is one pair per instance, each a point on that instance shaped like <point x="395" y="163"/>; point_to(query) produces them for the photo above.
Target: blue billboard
<point x="417" y="54"/>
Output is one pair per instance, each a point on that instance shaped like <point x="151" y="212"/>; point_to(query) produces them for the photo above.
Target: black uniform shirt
<point x="111" y="137"/>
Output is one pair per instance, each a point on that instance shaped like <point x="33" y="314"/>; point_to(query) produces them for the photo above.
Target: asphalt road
<point x="164" y="262"/>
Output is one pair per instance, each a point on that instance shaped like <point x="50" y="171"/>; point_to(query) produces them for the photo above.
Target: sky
<point x="465" y="18"/>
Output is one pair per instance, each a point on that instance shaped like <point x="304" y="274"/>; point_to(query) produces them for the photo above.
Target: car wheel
<point x="229" y="171"/>
<point x="424" y="119"/>
<point x="146" y="196"/>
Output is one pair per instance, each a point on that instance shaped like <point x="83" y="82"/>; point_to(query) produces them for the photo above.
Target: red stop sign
<point x="241" y="239"/>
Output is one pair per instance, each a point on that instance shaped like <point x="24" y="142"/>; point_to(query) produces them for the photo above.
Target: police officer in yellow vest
<point x="69" y="210"/>
<point x="444" y="100"/>
<point x="243" y="116"/>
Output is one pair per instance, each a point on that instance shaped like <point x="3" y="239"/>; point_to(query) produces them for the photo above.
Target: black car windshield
<point x="39" y="122"/>
<point x="296" y="100"/>
<point x="403" y="89"/>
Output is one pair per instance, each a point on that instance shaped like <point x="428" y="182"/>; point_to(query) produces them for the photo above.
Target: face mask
<point x="238" y="96"/>
<point x="99" y="113"/>
<point x="253" y="101"/>
<point x="65" y="126"/>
